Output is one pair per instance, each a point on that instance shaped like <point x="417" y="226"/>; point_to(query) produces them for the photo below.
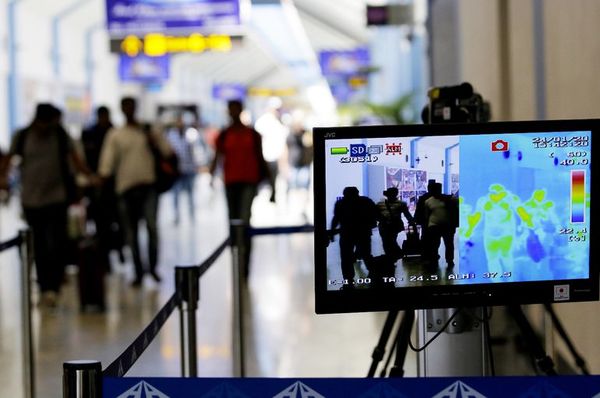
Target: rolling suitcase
<point x="92" y="269"/>
<point x="411" y="247"/>
<point x="380" y="268"/>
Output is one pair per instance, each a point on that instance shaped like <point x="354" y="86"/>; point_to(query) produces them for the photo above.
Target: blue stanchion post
<point x="82" y="379"/>
<point x="188" y="286"/>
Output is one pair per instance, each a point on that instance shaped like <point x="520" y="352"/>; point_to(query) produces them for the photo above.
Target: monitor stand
<point x="459" y="351"/>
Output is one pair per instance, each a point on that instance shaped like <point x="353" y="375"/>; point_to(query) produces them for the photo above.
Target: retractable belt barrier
<point x="282" y="230"/>
<point x="24" y="241"/>
<point x="10" y="243"/>
<point x="202" y="268"/>
<point x="127" y="359"/>
<point x="84" y="379"/>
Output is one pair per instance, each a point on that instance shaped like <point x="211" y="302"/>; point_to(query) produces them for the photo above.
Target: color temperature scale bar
<point x="577" y="196"/>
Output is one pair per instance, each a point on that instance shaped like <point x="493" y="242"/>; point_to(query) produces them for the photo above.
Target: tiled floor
<point x="285" y="337"/>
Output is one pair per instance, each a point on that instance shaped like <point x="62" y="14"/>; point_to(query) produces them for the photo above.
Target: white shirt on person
<point x="126" y="154"/>
<point x="274" y="135"/>
<point x="437" y="211"/>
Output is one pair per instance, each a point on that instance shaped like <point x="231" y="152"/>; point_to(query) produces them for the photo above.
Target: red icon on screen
<point x="499" y="146"/>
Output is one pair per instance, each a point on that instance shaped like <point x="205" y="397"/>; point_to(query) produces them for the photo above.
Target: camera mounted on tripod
<point x="455" y="104"/>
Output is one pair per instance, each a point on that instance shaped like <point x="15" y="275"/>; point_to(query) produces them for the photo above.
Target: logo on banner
<point x="546" y="389"/>
<point x="298" y="390"/>
<point x="459" y="390"/>
<point x="225" y="390"/>
<point x="383" y="390"/>
<point x="141" y="390"/>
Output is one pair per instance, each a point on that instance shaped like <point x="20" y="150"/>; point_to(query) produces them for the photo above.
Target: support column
<point x="539" y="59"/>
<point x="12" y="83"/>
<point x="89" y="62"/>
<point x="56" y="20"/>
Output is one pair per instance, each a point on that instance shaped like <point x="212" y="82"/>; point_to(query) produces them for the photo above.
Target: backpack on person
<point x="394" y="221"/>
<point x="72" y="191"/>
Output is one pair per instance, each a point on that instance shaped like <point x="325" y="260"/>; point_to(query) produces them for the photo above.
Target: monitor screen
<point x="434" y="216"/>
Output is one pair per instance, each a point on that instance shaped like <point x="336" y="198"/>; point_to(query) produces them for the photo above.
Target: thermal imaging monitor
<point x="434" y="216"/>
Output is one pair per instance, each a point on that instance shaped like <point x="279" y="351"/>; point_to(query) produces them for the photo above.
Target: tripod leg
<point x="402" y="343"/>
<point x="536" y="348"/>
<point x="563" y="334"/>
<point x="379" y="350"/>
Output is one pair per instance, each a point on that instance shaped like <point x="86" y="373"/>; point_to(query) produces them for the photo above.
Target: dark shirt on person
<point x="355" y="216"/>
<point x="42" y="179"/>
<point x="93" y="139"/>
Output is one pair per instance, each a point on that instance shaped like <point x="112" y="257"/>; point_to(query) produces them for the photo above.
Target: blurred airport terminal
<point x="182" y="66"/>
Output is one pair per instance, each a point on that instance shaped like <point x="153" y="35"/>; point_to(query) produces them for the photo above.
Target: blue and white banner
<point x="339" y="66"/>
<point x="143" y="69"/>
<point x="138" y="17"/>
<point x="228" y="91"/>
<point x="344" y="62"/>
<point x="481" y="387"/>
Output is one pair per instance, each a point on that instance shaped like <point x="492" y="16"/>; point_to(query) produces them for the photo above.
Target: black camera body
<point x="455" y="104"/>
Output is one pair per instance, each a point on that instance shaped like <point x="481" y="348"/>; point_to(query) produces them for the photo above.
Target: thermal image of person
<point x="499" y="211"/>
<point x="356" y="216"/>
<point x="541" y="224"/>
<point x="464" y="210"/>
<point x="389" y="214"/>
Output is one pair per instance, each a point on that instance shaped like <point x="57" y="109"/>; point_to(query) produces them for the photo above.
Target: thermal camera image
<point x="525" y="207"/>
<point x="448" y="210"/>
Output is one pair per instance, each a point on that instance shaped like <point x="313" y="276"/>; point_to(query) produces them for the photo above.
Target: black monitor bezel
<point x="447" y="296"/>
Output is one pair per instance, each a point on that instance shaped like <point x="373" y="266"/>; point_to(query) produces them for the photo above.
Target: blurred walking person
<point x="274" y="137"/>
<point x="102" y="207"/>
<point x="93" y="137"/>
<point x="188" y="167"/>
<point x="47" y="155"/>
<point x="239" y="149"/>
<point x="127" y="155"/>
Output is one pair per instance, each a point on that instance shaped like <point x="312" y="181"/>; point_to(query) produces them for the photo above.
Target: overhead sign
<point x="390" y="14"/>
<point x="158" y="44"/>
<point x="228" y="91"/>
<point x="346" y="72"/>
<point x="145" y="16"/>
<point x="344" y="62"/>
<point x="271" y="92"/>
<point x="143" y="69"/>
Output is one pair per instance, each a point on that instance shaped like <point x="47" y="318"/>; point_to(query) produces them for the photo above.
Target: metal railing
<point x="83" y="379"/>
<point x="24" y="241"/>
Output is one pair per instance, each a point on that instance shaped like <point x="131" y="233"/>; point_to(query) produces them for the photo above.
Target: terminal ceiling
<point x="338" y="24"/>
